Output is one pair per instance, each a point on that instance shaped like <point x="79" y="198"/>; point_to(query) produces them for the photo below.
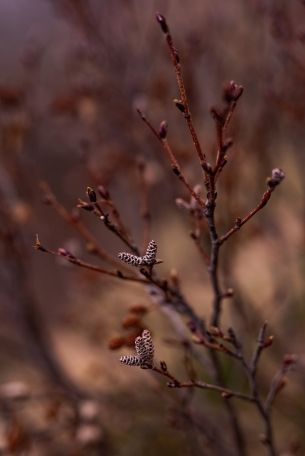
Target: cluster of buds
<point x="144" y="357"/>
<point x="149" y="259"/>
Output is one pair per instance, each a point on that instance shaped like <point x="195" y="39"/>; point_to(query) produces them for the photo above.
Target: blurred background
<point x="72" y="73"/>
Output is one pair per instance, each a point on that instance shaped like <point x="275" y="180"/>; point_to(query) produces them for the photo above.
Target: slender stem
<point x="145" y="212"/>
<point x="213" y="266"/>
<point x="259" y="348"/>
<point x="182" y="91"/>
<point x="251" y="371"/>
<point x="225" y="392"/>
<point x="125" y="238"/>
<point x="240" y="222"/>
<point x="72" y="259"/>
<point x="77" y="224"/>
<point x="173" y="160"/>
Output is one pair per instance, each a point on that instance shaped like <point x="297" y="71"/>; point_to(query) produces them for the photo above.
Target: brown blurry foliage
<point x="72" y="74"/>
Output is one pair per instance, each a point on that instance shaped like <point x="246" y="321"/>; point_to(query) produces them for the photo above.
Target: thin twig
<point x="145" y="212"/>
<point x="279" y="380"/>
<point x="259" y="348"/>
<point x="240" y="222"/>
<point x="225" y="392"/>
<point x="250" y="371"/>
<point x="172" y="158"/>
<point x="77" y="224"/>
<point x="63" y="253"/>
<point x="182" y="91"/>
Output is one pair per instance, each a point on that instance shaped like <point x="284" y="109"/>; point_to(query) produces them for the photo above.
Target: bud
<point x="269" y="341"/>
<point x="229" y="293"/>
<point x="163" y="129"/>
<point x="193" y="236"/>
<point x="232" y="92"/>
<point x="91" y="194"/>
<point x="238" y="222"/>
<point x="138" y="308"/>
<point x="47" y="199"/>
<point x="75" y="216"/>
<point x="130" y="320"/>
<point x="218" y="115"/>
<point x="276" y="178"/>
<point x="182" y="204"/>
<point x="289" y="360"/>
<point x="116" y="342"/>
<point x="227" y="144"/>
<point x="226" y="395"/>
<point x="172" y="384"/>
<point x="84" y="205"/>
<point x="103" y="192"/>
<point x="192" y="326"/>
<point x="130" y="338"/>
<point x="14" y="390"/>
<point x="179" y="105"/>
<point x="38" y="245"/>
<point x="162" y="21"/>
<point x="89" y="434"/>
<point x="163" y="366"/>
<point x="65" y="253"/>
<point x="174" y="276"/>
<point x="91" y="248"/>
<point x="196" y="339"/>
<point x="215" y="331"/>
<point x="88" y="410"/>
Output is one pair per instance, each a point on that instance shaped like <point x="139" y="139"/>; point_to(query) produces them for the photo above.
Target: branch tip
<point x="162" y="22"/>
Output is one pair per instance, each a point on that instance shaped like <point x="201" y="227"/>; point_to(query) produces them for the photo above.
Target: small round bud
<point x="289" y="360"/>
<point x="116" y="342"/>
<point x="163" y="129"/>
<point x="163" y="366"/>
<point x="91" y="194"/>
<point x="138" y="309"/>
<point x="276" y="178"/>
<point x="179" y="105"/>
<point x="103" y="192"/>
<point x="232" y="92"/>
<point x="162" y="21"/>
<point x="130" y="320"/>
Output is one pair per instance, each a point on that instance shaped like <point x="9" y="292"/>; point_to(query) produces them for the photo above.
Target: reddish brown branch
<point x="184" y="104"/>
<point x="144" y="210"/>
<point x="240" y="222"/>
<point x="226" y="393"/>
<point x="63" y="253"/>
<point x="77" y="224"/>
<point x="172" y="158"/>
<point x="279" y="380"/>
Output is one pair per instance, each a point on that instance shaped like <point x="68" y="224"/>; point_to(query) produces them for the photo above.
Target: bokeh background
<point x="72" y="73"/>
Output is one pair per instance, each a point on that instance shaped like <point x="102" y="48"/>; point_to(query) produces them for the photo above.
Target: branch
<point x="76" y="223"/>
<point x="279" y="380"/>
<point x="182" y="104"/>
<point x="145" y="212"/>
<point x="102" y="215"/>
<point x="272" y="182"/>
<point x="175" y="383"/>
<point x="65" y="254"/>
<point x="162" y="138"/>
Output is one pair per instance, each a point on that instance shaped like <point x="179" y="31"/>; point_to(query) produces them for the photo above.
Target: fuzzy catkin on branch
<point x="145" y="352"/>
<point x="149" y="259"/>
